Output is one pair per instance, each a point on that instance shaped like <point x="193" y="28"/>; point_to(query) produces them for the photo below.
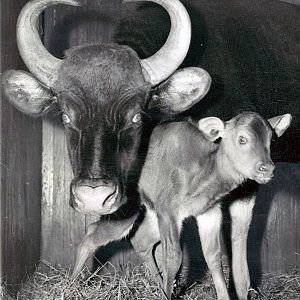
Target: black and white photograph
<point x="150" y="149"/>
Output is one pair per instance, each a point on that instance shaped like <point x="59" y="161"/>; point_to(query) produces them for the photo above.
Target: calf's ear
<point x="181" y="91"/>
<point x="280" y="123"/>
<point x="212" y="128"/>
<point x="26" y="93"/>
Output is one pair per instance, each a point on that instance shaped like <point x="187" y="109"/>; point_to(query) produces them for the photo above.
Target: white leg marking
<point x="209" y="226"/>
<point x="241" y="215"/>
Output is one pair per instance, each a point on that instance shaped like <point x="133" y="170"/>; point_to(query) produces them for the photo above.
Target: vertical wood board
<point x="274" y="235"/>
<point x="20" y="148"/>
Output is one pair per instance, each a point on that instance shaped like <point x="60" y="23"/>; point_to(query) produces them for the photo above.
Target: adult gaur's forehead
<point x="105" y="71"/>
<point x="98" y="111"/>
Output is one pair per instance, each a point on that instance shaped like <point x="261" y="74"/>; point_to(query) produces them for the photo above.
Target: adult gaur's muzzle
<point x="100" y="196"/>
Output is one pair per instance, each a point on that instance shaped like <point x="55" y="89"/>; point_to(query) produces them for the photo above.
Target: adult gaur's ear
<point x="212" y="128"/>
<point x="26" y="93"/>
<point x="181" y="91"/>
<point x="280" y="123"/>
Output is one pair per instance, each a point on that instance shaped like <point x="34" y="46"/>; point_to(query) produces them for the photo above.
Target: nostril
<point x="74" y="203"/>
<point x="263" y="169"/>
<point x="78" y="201"/>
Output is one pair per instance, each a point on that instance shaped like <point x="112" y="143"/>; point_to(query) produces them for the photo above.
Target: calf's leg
<point x="241" y="216"/>
<point x="100" y="234"/>
<point x="169" y="229"/>
<point x="85" y="250"/>
<point x="209" y="227"/>
<point x="144" y="240"/>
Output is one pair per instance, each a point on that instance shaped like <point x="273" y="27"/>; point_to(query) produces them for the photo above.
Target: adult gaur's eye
<point x="137" y="118"/>
<point x="65" y="119"/>
<point x="242" y="140"/>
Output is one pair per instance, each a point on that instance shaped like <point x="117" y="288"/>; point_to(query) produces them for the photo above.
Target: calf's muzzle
<point x="97" y="196"/>
<point x="264" y="170"/>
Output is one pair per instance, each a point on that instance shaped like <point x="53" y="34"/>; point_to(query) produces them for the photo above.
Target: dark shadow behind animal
<point x="250" y="50"/>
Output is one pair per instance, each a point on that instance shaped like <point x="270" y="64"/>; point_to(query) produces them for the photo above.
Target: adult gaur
<point x="103" y="92"/>
<point x="188" y="170"/>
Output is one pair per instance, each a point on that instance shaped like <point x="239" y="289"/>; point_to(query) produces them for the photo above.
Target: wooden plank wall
<point x="275" y="226"/>
<point x="20" y="170"/>
<point x="274" y="239"/>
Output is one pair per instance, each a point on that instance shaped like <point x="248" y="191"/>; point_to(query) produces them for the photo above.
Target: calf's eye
<point x="65" y="119"/>
<point x="137" y="118"/>
<point x="242" y="140"/>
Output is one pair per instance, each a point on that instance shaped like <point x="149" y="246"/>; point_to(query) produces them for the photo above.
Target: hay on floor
<point x="53" y="283"/>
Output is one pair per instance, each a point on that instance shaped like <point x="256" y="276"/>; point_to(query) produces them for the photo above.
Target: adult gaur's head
<point x="102" y="92"/>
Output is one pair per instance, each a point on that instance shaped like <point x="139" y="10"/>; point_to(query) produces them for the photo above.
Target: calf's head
<point x="103" y="92"/>
<point x="245" y="142"/>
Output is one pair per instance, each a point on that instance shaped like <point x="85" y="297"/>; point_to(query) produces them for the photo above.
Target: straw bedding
<point x="49" y="282"/>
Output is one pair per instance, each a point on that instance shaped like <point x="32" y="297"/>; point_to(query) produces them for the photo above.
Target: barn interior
<point x="250" y="48"/>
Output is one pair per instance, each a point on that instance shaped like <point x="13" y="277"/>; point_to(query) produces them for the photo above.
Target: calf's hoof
<point x="255" y="293"/>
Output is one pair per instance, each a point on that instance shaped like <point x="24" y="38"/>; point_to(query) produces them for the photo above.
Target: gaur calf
<point x="189" y="168"/>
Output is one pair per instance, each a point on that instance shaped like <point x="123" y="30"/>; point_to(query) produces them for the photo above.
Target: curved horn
<point x="38" y="60"/>
<point x="163" y="63"/>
